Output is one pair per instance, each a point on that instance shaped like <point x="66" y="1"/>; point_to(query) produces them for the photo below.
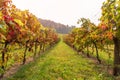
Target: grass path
<point x="61" y="63"/>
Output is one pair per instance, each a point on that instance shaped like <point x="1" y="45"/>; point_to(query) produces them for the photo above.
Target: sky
<point x="63" y="11"/>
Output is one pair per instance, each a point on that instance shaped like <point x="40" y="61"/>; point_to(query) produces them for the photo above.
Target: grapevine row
<point x="21" y="29"/>
<point x="106" y="33"/>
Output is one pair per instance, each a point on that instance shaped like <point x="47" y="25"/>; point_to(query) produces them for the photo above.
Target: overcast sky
<point x="63" y="11"/>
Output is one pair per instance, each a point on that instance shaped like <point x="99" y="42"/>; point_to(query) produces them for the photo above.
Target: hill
<point x="60" y="28"/>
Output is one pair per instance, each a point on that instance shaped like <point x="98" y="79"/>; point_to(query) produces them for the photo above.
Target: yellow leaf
<point x="19" y="22"/>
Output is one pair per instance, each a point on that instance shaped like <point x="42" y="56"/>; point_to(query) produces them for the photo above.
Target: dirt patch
<point x="15" y="68"/>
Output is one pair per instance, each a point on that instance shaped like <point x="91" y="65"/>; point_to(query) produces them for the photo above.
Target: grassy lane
<point x="61" y="63"/>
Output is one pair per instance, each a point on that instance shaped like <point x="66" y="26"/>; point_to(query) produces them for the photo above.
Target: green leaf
<point x="1" y="26"/>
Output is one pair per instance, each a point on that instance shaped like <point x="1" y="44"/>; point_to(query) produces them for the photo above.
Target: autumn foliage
<point x="23" y="29"/>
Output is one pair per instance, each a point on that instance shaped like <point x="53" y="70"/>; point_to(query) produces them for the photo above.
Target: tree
<point x="111" y="18"/>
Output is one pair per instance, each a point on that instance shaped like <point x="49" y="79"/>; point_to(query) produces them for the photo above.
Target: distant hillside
<point x="60" y="28"/>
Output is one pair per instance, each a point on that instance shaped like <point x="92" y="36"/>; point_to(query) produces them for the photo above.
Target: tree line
<point x="60" y="28"/>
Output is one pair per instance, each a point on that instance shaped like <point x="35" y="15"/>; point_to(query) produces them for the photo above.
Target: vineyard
<point x="90" y="38"/>
<point x="20" y="31"/>
<point x="79" y="55"/>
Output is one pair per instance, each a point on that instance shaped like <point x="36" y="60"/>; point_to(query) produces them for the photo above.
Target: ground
<point x="61" y="62"/>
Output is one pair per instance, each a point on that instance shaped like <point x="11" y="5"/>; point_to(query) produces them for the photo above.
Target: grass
<point x="15" y="56"/>
<point x="103" y="55"/>
<point x="61" y="63"/>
